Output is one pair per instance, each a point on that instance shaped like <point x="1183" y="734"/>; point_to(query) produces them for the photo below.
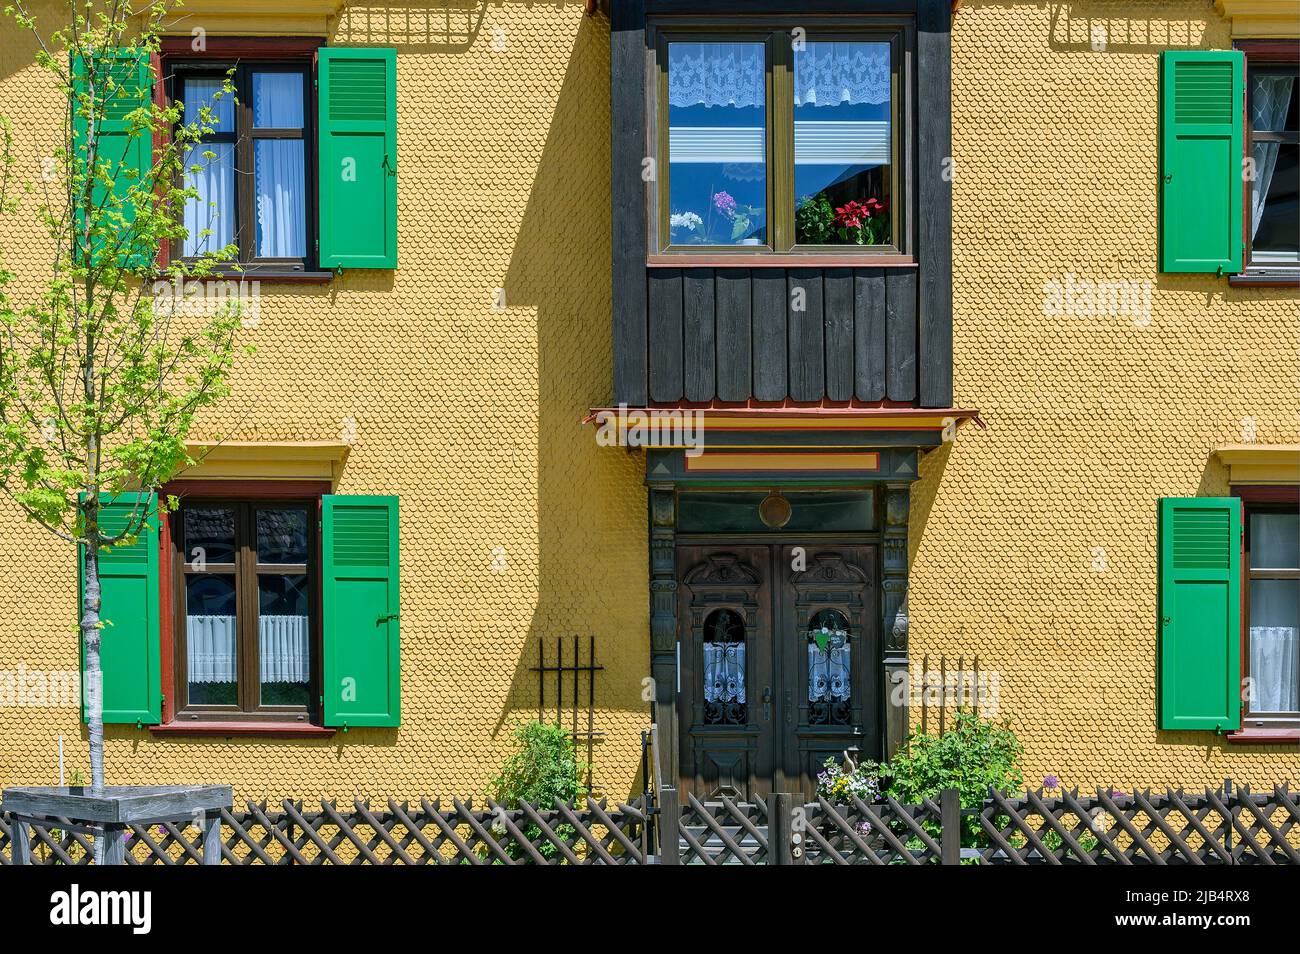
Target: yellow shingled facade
<point x="460" y="379"/>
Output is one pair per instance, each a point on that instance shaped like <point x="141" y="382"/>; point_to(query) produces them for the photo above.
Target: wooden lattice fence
<point x="400" y="834"/>
<point x="1219" y="826"/>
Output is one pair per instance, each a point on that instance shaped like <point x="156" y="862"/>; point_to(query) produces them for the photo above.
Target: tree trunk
<point x="94" y="685"/>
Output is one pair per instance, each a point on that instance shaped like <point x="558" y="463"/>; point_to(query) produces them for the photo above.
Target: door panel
<point x="724" y="620"/>
<point x="834" y="683"/>
<point x="803" y="702"/>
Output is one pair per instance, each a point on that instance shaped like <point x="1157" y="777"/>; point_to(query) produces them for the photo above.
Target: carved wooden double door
<point x="779" y="665"/>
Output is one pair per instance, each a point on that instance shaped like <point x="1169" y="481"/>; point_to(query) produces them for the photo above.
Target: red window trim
<point x="262" y="489"/>
<point x="1258" y="494"/>
<point x="228" y="48"/>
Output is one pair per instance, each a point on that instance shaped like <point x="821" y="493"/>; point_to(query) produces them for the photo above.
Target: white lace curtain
<point x="724" y="672"/>
<point x="1270" y="95"/>
<point x="284" y="646"/>
<point x="831" y="74"/>
<point x="1275" y="669"/>
<point x="716" y="74"/>
<point x="732" y="74"/>
<point x="828" y="671"/>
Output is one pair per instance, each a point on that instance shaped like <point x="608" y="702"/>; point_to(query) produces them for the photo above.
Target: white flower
<point x="685" y="220"/>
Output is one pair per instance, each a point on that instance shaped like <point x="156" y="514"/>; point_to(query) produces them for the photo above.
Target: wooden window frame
<point x="1261" y="499"/>
<point x="247" y="55"/>
<point x="246" y="499"/>
<point x="1266" y="53"/>
<point x="781" y="248"/>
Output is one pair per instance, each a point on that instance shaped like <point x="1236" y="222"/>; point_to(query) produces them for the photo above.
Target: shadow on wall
<point x="1105" y="26"/>
<point x="444" y="26"/>
<point x="924" y="492"/>
<point x="590" y="502"/>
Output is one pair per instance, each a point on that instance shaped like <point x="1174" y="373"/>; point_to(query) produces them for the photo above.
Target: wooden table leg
<point x="114" y="845"/>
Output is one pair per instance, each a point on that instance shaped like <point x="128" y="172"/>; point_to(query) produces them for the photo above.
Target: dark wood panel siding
<point x="806" y="328"/>
<point x="869" y="335"/>
<point x="770" y="382"/>
<point x="837" y="300"/>
<point x="627" y="60"/>
<point x="665" y="296"/>
<point x="934" y="200"/>
<point x="900" y="336"/>
<point x="772" y="334"/>
<point x="698" y="345"/>
<point x="733" y="309"/>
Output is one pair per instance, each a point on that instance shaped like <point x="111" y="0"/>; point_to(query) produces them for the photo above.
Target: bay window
<point x="780" y="139"/>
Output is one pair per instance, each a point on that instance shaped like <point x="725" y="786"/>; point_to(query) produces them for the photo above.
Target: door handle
<point x="767" y="703"/>
<point x="788" y="705"/>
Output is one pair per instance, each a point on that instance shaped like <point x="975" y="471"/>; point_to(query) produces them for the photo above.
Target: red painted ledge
<point x="1264" y="736"/>
<point x="264" y="729"/>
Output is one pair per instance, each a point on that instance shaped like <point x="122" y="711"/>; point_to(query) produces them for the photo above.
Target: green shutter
<point x="362" y="668"/>
<point x="1202" y="112"/>
<point x="358" y="157"/>
<point x="129" y="653"/>
<point x="128" y="158"/>
<point x="1200" y="613"/>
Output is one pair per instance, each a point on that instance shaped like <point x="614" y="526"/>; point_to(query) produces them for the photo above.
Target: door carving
<point x="765" y="695"/>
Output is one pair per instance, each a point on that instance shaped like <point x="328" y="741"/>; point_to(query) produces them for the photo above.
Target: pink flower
<point x="724" y="203"/>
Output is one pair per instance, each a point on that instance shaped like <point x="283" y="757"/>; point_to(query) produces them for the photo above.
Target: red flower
<point x="854" y="214"/>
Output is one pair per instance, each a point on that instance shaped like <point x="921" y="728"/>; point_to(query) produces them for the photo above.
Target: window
<point x="779" y="140"/>
<point x="246" y="591"/>
<point x="1271" y="657"/>
<point x="254" y="172"/>
<point x="724" y="669"/>
<point x="829" y="669"/>
<point x="1273" y="131"/>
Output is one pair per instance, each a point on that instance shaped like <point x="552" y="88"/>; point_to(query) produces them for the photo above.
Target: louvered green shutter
<point x="1202" y="113"/>
<point x="358" y="157"/>
<point x="362" y="666"/>
<point x="129" y="653"/>
<point x="126" y="158"/>
<point x="1200" y="613"/>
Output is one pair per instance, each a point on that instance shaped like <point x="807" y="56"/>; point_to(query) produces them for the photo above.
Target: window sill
<point x="265" y="729"/>
<point x="1266" y="278"/>
<point x="287" y="277"/>
<point x="1263" y="736"/>
<point x="776" y="260"/>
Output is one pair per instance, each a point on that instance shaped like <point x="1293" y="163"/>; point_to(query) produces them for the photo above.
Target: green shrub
<point x="545" y="768"/>
<point x="972" y="756"/>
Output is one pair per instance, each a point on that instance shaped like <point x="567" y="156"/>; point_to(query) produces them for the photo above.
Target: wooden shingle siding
<point x="775" y="334"/>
